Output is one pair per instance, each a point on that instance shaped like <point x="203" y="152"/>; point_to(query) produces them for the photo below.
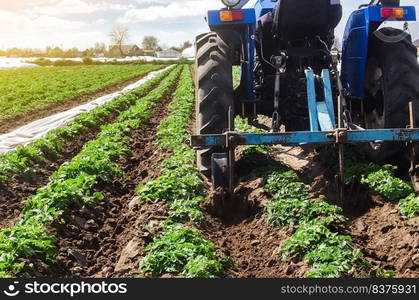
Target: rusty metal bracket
<point x="414" y="151"/>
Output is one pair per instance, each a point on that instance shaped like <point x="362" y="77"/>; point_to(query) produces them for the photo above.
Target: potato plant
<point x="21" y="160"/>
<point x="382" y="180"/>
<point x="179" y="249"/>
<point x="73" y="183"/>
<point x="179" y="183"/>
<point x="22" y="90"/>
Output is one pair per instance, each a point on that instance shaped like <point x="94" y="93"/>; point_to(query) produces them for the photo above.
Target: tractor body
<point x="291" y="71"/>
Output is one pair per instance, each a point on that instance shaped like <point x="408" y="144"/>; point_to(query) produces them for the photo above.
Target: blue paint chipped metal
<point x="311" y="98"/>
<point x="307" y="137"/>
<point x="325" y="121"/>
<point x="328" y="96"/>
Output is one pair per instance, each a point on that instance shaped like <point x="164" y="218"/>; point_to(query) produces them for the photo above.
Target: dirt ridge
<point x="107" y="240"/>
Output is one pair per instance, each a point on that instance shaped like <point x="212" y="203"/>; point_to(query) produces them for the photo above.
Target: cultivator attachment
<point x="324" y="130"/>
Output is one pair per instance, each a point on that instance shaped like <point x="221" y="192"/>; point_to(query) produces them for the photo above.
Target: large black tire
<point x="214" y="91"/>
<point x="392" y="81"/>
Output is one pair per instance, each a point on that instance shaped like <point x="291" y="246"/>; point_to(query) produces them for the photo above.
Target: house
<point x="127" y="50"/>
<point x="149" y="52"/>
<point x="170" y="53"/>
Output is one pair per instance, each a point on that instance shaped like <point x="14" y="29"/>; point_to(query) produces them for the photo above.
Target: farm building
<point x="127" y="50"/>
<point x="170" y="53"/>
<point x="149" y="52"/>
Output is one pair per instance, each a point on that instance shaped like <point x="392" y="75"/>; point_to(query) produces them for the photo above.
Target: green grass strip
<point x="20" y="160"/>
<point x="73" y="183"/>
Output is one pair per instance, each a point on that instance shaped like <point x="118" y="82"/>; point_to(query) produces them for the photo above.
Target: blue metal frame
<point x="355" y="41"/>
<point x="307" y="137"/>
<point x="246" y="29"/>
<point x="312" y="99"/>
<point x="262" y="7"/>
<point x="321" y="111"/>
<point x="328" y="99"/>
<point x="355" y="45"/>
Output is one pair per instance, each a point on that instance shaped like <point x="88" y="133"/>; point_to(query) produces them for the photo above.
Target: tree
<point x="54" y="52"/>
<point x="73" y="52"/>
<point x="178" y="49"/>
<point x="186" y="45"/>
<point x="89" y="52"/>
<point x="150" y="43"/>
<point x="119" y="36"/>
<point x="99" y="48"/>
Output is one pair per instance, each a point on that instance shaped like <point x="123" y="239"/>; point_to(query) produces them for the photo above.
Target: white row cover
<point x="38" y="129"/>
<point x="19" y="62"/>
<point x="14" y="63"/>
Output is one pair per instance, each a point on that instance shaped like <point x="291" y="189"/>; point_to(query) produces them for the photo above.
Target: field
<point x="116" y="193"/>
<point x="27" y="90"/>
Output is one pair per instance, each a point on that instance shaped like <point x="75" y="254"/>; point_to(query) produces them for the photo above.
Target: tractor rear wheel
<point x="392" y="81"/>
<point x="214" y="91"/>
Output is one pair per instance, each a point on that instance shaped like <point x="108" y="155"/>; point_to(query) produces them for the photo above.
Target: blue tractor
<point x="314" y="95"/>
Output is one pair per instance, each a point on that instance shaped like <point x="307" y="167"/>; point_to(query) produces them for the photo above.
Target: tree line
<point x="119" y="37"/>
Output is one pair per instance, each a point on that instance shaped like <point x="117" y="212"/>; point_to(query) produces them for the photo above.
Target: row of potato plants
<point x="378" y="179"/>
<point x="382" y="180"/>
<point x="73" y="184"/>
<point x="26" y="89"/>
<point x="329" y="253"/>
<point x="21" y="161"/>
<point x="179" y="249"/>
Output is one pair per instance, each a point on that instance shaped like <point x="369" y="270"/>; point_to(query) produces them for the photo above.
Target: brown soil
<point x="246" y="238"/>
<point x="108" y="240"/>
<point x="387" y="239"/>
<point x="19" y="189"/>
<point x="8" y="124"/>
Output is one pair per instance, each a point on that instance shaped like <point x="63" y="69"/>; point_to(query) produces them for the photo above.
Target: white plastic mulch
<point x="14" y="63"/>
<point x="38" y="129"/>
<point x="19" y="62"/>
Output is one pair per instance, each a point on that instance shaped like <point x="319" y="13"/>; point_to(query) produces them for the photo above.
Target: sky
<point x="81" y="23"/>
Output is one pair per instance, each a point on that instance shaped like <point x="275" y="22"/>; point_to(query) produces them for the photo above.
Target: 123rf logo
<point x="12" y="290"/>
<point x="71" y="289"/>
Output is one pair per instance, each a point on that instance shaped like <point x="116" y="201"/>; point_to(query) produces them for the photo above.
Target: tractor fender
<point x="361" y="24"/>
<point x="355" y="53"/>
<point x="235" y="40"/>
